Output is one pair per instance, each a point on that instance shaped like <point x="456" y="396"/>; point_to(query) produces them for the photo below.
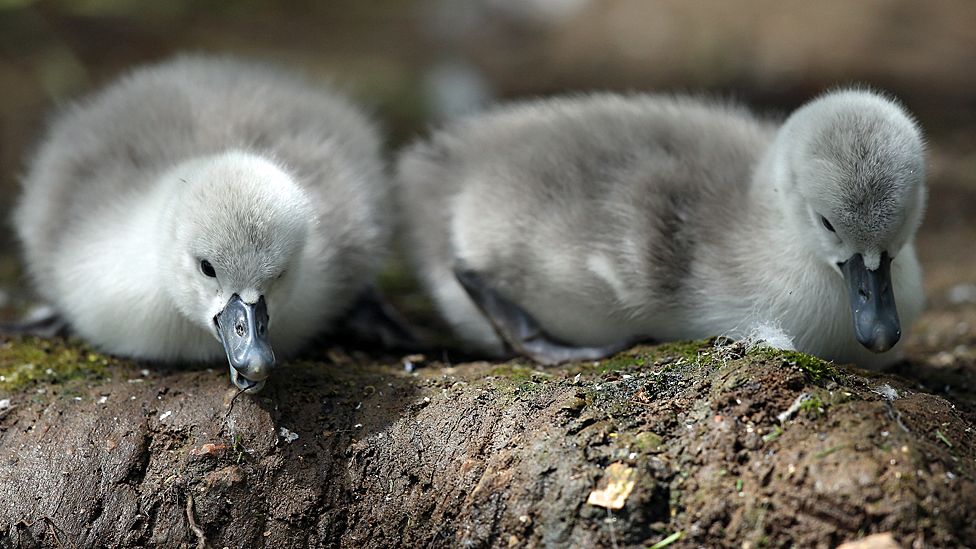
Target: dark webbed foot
<point x="46" y="324"/>
<point x="373" y="319"/>
<point x="521" y="332"/>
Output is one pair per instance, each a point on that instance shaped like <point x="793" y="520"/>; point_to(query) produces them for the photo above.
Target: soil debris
<point x="617" y="483"/>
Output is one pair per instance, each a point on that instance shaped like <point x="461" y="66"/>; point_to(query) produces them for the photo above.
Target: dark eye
<point x="827" y="224"/>
<point x="207" y="269"/>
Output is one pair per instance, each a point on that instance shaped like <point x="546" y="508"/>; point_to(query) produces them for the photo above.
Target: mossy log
<point x="679" y="445"/>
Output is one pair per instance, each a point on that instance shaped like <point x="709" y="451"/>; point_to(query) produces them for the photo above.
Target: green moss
<point x="814" y="407"/>
<point x="824" y="453"/>
<point x="620" y="362"/>
<point x="684" y="351"/>
<point x="29" y="361"/>
<point x="773" y="435"/>
<point x="689" y="350"/>
<point x="816" y="369"/>
<point x="527" y="388"/>
<point x="515" y="378"/>
<point x="648" y="442"/>
<point x="513" y="372"/>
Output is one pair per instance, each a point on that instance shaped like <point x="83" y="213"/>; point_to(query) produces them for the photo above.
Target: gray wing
<point x="642" y="178"/>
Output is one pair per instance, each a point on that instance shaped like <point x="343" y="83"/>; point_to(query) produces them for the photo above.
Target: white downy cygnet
<point x="178" y="208"/>
<point x="568" y="228"/>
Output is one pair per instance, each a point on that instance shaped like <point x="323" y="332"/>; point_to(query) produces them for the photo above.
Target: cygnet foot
<point x="45" y="325"/>
<point x="521" y="332"/>
<point x="373" y="319"/>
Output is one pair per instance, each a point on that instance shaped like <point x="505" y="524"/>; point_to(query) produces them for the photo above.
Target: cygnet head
<point x="236" y="227"/>
<point x="852" y="167"/>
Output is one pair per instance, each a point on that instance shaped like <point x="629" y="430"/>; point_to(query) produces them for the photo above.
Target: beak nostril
<point x="239" y="328"/>
<point x="864" y="293"/>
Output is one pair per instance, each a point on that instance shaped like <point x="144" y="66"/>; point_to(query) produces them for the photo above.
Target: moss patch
<point x="816" y="369"/>
<point x="31" y="361"/>
<point x="648" y="442"/>
<point x="689" y="350"/>
<point x="619" y="362"/>
<point x="514" y="378"/>
<point x="814" y="407"/>
<point x="773" y="435"/>
<point x="678" y="352"/>
<point x="514" y="372"/>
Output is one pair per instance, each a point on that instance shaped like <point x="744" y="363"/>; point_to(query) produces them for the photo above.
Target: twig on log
<point x="7" y="410"/>
<point x="230" y="407"/>
<point x="54" y="533"/>
<point x="613" y="533"/>
<point x="52" y="528"/>
<point x="197" y="531"/>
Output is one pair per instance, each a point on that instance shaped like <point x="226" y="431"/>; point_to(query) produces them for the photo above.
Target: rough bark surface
<point x="345" y="451"/>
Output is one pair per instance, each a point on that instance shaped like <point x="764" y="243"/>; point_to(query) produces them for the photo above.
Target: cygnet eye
<point x="207" y="269"/>
<point x="827" y="224"/>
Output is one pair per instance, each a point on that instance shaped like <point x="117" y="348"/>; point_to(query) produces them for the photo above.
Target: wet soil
<point x="727" y="447"/>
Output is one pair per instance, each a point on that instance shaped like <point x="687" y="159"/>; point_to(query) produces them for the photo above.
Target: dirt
<point x="350" y="450"/>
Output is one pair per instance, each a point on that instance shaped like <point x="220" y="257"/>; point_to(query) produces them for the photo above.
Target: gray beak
<point x="243" y="329"/>
<point x="872" y="303"/>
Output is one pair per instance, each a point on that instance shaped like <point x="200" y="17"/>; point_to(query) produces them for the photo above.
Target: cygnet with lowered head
<point x="205" y="207"/>
<point x="568" y="228"/>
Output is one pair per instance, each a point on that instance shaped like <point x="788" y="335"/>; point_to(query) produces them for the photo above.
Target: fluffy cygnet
<point x="568" y="228"/>
<point x="205" y="207"/>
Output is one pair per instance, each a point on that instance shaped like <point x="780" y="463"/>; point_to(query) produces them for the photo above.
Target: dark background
<point x="414" y="62"/>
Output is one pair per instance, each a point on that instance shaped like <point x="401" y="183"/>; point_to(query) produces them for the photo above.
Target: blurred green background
<point x="413" y="63"/>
